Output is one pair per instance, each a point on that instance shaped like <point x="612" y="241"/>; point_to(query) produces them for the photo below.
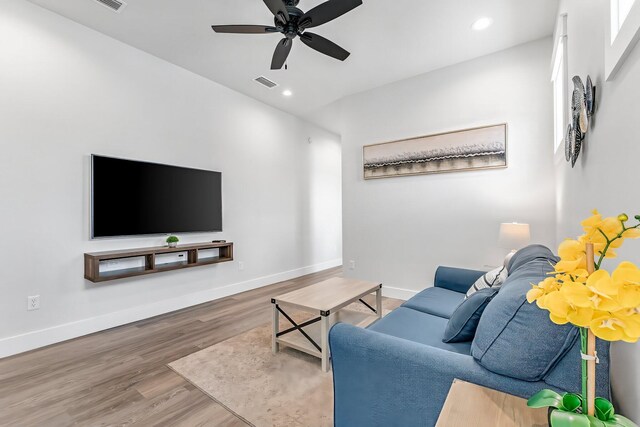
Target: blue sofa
<point x="398" y="372"/>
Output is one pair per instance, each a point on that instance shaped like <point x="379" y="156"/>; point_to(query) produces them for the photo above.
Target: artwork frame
<point x="377" y="164"/>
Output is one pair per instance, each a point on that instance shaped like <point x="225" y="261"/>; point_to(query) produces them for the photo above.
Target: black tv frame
<point x="129" y="236"/>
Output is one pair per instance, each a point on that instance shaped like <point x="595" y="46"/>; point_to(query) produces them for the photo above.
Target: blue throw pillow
<point x="464" y="320"/>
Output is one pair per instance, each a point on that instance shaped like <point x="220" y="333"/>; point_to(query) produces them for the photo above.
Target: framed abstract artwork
<point x="462" y="150"/>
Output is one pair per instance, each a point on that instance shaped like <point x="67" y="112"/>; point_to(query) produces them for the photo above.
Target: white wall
<point x="67" y="92"/>
<point x="606" y="176"/>
<point x="398" y="230"/>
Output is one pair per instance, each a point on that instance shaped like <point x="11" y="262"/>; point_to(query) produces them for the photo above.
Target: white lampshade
<point x="514" y="236"/>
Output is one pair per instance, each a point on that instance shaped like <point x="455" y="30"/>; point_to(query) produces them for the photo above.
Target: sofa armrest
<point x="456" y="279"/>
<point x="381" y="380"/>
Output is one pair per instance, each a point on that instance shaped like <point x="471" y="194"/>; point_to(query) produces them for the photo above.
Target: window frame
<point x="560" y="76"/>
<point x="620" y="41"/>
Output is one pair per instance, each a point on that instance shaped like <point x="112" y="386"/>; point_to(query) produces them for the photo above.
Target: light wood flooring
<point x="119" y="377"/>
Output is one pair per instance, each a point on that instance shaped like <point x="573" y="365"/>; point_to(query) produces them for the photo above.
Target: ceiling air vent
<point x="266" y="82"/>
<point x="115" y="5"/>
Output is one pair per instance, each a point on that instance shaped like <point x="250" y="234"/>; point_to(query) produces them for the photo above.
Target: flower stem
<point x="584" y="349"/>
<point x="603" y="253"/>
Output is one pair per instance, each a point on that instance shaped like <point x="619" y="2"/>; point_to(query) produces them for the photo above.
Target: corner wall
<point x="606" y="176"/>
<point x="399" y="230"/>
<point x="67" y="92"/>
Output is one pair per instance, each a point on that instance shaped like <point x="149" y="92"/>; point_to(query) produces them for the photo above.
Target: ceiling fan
<point x="292" y="22"/>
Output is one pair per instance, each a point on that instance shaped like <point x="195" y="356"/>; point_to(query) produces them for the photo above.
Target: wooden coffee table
<point x="326" y="299"/>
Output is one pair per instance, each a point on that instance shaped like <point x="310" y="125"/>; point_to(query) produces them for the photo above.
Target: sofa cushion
<point x="437" y="301"/>
<point x="419" y="327"/>
<point x="529" y="253"/>
<point x="515" y="338"/>
<point x="464" y="321"/>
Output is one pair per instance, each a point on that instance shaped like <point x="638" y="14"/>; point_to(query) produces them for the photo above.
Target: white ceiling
<point x="389" y="40"/>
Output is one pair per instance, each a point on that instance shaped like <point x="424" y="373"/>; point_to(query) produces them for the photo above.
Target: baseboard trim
<point x="399" y="293"/>
<point x="43" y="337"/>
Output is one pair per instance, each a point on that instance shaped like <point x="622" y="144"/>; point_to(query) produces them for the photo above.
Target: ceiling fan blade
<point x="244" y="29"/>
<point x="326" y="12"/>
<point x="325" y="46"/>
<point x="278" y="9"/>
<point x="281" y="54"/>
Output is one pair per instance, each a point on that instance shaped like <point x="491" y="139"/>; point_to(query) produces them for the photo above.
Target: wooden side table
<point x="473" y="405"/>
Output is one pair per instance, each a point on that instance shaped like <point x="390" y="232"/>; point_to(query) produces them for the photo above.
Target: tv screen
<point x="132" y="198"/>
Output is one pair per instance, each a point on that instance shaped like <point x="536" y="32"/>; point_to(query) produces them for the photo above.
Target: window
<point x="619" y="12"/>
<point x="560" y="78"/>
<point x="623" y="34"/>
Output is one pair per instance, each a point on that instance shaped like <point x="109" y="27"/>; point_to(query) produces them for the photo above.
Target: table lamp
<point x="514" y="236"/>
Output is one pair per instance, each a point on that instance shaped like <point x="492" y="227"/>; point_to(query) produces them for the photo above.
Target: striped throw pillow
<point x="491" y="279"/>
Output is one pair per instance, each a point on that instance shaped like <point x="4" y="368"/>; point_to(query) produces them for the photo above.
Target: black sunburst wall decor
<point x="582" y="108"/>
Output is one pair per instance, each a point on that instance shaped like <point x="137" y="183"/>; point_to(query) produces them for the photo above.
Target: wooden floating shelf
<point x="193" y="259"/>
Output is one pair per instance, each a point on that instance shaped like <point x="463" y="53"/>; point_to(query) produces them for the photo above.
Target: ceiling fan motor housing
<point x="290" y="29"/>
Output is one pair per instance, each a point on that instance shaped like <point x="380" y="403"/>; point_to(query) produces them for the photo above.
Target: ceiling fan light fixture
<point x="482" y="23"/>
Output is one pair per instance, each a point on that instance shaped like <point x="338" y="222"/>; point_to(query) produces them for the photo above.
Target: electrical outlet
<point x="33" y="302"/>
<point x="352" y="265"/>
<point x="241" y="265"/>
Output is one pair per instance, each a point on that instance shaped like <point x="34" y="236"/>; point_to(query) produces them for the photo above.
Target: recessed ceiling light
<point x="287" y="92"/>
<point x="482" y="24"/>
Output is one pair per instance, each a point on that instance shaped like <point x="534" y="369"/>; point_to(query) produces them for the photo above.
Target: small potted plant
<point x="172" y="241"/>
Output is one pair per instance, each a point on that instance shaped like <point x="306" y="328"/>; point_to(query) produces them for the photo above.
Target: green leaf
<point x="594" y="422"/>
<point x="545" y="398"/>
<point x="569" y="419"/>
<point x="616" y="421"/>
<point x="619" y="420"/>
<point x="571" y="402"/>
<point x="604" y="409"/>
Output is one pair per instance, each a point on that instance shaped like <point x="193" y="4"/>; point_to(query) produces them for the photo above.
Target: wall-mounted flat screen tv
<point x="130" y="198"/>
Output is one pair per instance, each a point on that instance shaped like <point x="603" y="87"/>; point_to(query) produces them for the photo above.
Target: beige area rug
<point x="241" y="373"/>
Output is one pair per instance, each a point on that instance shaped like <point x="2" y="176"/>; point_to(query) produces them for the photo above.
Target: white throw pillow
<point x="491" y="279"/>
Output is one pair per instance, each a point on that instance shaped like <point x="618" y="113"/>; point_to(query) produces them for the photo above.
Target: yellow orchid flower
<point x="608" y="304"/>
<point x="631" y="318"/>
<point x="534" y="294"/>
<point x="591" y="224"/>
<point x="581" y="316"/>
<point x="550" y="284"/>
<point x="557" y="305"/>
<point x="627" y="278"/>
<point x="596" y="227"/>
<point x="602" y="231"/>
<point x="623" y="325"/>
<point x="562" y="311"/>
<point x="631" y="233"/>
<point x="578" y="294"/>
<point x="604" y="291"/>
<point x="572" y="256"/>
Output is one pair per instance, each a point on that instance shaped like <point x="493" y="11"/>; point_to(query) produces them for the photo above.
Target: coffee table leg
<point x="379" y="302"/>
<point x="276" y="328"/>
<point x="324" y="342"/>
